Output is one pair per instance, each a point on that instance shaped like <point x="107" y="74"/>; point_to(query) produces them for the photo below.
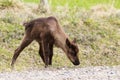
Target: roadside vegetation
<point x="95" y="25"/>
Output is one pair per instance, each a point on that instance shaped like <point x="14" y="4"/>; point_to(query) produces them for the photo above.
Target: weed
<point x="97" y="37"/>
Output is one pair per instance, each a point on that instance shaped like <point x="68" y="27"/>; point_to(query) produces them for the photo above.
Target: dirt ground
<point x="88" y="73"/>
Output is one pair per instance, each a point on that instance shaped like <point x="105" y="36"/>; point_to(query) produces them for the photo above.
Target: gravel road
<point x="89" y="73"/>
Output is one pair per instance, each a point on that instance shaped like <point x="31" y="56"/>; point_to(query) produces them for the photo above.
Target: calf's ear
<point x="68" y="43"/>
<point x="74" y="40"/>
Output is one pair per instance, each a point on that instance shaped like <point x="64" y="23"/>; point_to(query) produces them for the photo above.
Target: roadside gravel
<point x="89" y="73"/>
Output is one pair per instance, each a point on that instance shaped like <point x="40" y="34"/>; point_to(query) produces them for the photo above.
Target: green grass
<point x="34" y="1"/>
<point x="98" y="38"/>
<point x="79" y="3"/>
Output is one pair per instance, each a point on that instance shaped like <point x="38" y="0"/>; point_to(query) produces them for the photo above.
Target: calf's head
<point x="72" y="51"/>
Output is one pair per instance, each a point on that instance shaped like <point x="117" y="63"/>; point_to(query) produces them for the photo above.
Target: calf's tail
<point x="28" y="25"/>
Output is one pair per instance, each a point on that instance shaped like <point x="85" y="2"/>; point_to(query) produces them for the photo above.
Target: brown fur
<point x="47" y="32"/>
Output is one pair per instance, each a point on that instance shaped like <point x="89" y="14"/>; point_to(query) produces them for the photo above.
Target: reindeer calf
<point x="47" y="32"/>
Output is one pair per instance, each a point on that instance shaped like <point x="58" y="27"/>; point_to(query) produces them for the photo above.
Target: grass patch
<point x="97" y="36"/>
<point x="9" y="3"/>
<point x="79" y="3"/>
<point x="32" y="1"/>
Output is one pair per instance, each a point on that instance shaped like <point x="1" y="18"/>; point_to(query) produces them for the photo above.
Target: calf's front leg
<point x="45" y="52"/>
<point x="41" y="52"/>
<point x="48" y="54"/>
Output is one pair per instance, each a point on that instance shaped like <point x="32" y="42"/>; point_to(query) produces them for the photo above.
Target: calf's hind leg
<point x="25" y="42"/>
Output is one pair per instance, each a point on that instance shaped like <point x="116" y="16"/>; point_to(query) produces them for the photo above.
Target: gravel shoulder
<point x="88" y="73"/>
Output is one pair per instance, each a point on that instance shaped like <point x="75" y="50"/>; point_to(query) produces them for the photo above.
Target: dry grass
<point x="97" y="31"/>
